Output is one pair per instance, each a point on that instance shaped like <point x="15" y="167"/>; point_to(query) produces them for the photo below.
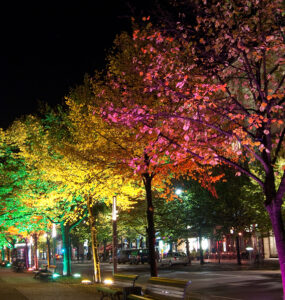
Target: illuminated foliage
<point x="214" y="94"/>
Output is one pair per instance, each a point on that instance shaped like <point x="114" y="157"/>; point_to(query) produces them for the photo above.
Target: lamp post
<point x="53" y="242"/>
<point x="114" y="221"/>
<point x="48" y="249"/>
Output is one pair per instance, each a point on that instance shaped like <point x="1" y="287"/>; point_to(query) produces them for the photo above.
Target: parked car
<point x="144" y="255"/>
<point x="124" y="256"/>
<point x="139" y="256"/>
<point x="134" y="257"/>
<point x="172" y="258"/>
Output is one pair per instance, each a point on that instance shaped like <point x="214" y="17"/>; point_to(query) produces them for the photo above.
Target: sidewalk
<point x="22" y="286"/>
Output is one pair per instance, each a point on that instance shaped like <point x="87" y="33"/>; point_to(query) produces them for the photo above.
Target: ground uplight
<point x="108" y="281"/>
<point x="55" y="275"/>
<point x="86" y="281"/>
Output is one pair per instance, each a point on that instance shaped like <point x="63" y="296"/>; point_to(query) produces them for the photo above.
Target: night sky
<point x="46" y="49"/>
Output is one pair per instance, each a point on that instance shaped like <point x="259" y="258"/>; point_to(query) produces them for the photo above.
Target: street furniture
<point x="163" y="288"/>
<point x="119" y="285"/>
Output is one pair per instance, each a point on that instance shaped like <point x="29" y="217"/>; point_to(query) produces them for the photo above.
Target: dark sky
<point x="47" y="48"/>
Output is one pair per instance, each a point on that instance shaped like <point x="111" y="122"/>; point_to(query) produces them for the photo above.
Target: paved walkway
<point x="22" y="286"/>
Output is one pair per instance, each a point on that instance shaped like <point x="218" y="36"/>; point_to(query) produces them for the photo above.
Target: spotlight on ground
<point x="55" y="275"/>
<point x="86" y="281"/>
<point x="108" y="281"/>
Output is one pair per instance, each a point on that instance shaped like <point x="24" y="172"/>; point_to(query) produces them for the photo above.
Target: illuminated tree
<point x="121" y="86"/>
<point x="217" y="91"/>
<point x="113" y="146"/>
<point x="18" y="219"/>
<point x="75" y="163"/>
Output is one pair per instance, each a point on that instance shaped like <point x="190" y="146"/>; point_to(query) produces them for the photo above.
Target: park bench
<point x="46" y="272"/>
<point x="163" y="288"/>
<point x="122" y="285"/>
<point x="43" y="268"/>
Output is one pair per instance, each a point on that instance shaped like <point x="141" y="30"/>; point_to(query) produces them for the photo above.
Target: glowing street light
<point x="178" y="192"/>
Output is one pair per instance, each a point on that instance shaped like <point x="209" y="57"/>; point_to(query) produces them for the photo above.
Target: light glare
<point x="178" y="192"/>
<point x="108" y="281"/>
<point x="86" y="281"/>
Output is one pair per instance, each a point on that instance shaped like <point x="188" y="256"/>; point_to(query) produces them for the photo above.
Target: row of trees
<point x="176" y="98"/>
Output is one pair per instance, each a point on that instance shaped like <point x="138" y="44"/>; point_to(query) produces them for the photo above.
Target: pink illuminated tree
<point x="215" y="95"/>
<point x="142" y="151"/>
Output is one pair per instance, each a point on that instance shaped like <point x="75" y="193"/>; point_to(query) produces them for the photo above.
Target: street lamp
<point x="114" y="221"/>
<point x="178" y="192"/>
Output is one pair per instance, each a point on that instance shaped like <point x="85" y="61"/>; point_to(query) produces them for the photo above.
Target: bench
<point x="46" y="272"/>
<point x="163" y="288"/>
<point x="122" y="285"/>
<point x="43" y="268"/>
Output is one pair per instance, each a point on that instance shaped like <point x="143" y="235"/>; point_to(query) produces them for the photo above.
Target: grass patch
<point x="68" y="280"/>
<point x="76" y="284"/>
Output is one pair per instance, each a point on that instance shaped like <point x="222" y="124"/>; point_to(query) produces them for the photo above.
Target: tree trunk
<point x="95" y="252"/>
<point x="65" y="231"/>
<point x="141" y="243"/>
<point x="219" y="252"/>
<point x="48" y="251"/>
<point x="261" y="247"/>
<point x="188" y="251"/>
<point x="26" y="254"/>
<point x="105" y="250"/>
<point x="201" y="250"/>
<point x="35" y="254"/>
<point x="78" y="254"/>
<point x="147" y="179"/>
<point x="3" y="253"/>
<point x="238" y="251"/>
<point x="8" y="254"/>
<point x="171" y="246"/>
<point x="275" y="214"/>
